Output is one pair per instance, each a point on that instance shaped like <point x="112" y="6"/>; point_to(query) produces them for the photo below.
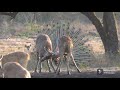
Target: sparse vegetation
<point x="88" y="48"/>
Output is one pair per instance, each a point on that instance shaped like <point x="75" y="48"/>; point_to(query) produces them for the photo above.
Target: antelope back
<point x="65" y="44"/>
<point x="15" y="70"/>
<point x="20" y="57"/>
<point x="43" y="44"/>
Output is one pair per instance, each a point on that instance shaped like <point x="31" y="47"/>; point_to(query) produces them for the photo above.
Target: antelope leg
<point x="40" y="63"/>
<point x="48" y="64"/>
<point x="75" y="63"/>
<point x="52" y="65"/>
<point x="58" y="67"/>
<point x="37" y="62"/>
<point x="67" y="64"/>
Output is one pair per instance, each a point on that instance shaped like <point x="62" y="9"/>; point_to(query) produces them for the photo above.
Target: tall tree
<point x="107" y="31"/>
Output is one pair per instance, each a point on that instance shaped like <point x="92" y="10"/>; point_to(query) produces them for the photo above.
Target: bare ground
<point x="93" y="74"/>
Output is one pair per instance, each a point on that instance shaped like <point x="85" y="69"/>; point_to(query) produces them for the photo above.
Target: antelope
<point x="31" y="52"/>
<point x="28" y="47"/>
<point x="65" y="46"/>
<point x="44" y="50"/>
<point x="21" y="57"/>
<point x="15" y="70"/>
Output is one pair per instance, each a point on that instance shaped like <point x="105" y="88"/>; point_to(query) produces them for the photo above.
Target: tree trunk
<point x="111" y="44"/>
<point x="107" y="31"/>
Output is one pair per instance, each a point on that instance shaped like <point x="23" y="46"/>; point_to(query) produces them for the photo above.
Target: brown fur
<point x="65" y="46"/>
<point x="43" y="50"/>
<point x="15" y="70"/>
<point x="20" y="57"/>
<point x="42" y="41"/>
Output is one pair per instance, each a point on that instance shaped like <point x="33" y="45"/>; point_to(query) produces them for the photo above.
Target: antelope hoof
<point x="39" y="71"/>
<point x="55" y="71"/>
<point x="35" y="71"/>
<point x="79" y="71"/>
<point x="58" y="73"/>
<point x="50" y="71"/>
<point x="69" y="73"/>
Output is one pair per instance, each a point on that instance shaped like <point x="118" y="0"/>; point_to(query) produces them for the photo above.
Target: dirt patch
<point x="92" y="74"/>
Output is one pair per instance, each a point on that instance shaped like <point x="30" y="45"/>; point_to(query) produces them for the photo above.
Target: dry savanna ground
<point x="88" y="70"/>
<point x="89" y="56"/>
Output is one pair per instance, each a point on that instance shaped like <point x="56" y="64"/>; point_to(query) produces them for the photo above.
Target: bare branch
<point x="11" y="14"/>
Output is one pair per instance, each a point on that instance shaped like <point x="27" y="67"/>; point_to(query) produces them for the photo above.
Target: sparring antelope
<point x="65" y="47"/>
<point x="44" y="50"/>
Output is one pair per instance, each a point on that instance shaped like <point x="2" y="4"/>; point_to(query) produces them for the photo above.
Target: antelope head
<point x="47" y="55"/>
<point x="51" y="55"/>
<point x="28" y="47"/>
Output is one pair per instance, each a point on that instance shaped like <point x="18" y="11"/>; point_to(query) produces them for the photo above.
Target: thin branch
<point x="11" y="14"/>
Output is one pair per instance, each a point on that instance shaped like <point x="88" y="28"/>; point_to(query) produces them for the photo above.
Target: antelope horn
<point x="45" y="49"/>
<point x="1" y="57"/>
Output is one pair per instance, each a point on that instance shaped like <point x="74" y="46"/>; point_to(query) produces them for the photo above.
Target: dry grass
<point x="13" y="44"/>
<point x="87" y="32"/>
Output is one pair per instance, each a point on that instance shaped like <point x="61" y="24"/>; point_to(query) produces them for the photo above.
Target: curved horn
<point x="45" y="49"/>
<point x="1" y="57"/>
